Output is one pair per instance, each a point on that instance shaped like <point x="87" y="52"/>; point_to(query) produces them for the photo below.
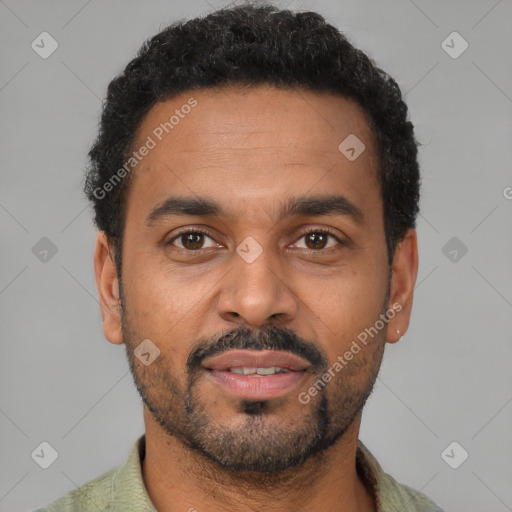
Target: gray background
<point x="449" y="379"/>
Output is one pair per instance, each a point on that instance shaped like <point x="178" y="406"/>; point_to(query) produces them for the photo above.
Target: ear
<point x="403" y="279"/>
<point x="108" y="290"/>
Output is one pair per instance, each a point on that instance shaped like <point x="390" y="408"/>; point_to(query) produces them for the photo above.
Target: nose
<point x="256" y="293"/>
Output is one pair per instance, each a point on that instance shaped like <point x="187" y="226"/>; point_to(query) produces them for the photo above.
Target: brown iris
<point x="318" y="240"/>
<point x="192" y="241"/>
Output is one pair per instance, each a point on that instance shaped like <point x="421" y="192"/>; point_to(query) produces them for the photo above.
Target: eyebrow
<point x="304" y="205"/>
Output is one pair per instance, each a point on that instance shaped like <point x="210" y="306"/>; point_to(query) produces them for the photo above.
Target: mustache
<point x="268" y="338"/>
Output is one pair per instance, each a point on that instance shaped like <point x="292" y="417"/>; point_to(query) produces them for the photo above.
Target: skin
<point x="250" y="150"/>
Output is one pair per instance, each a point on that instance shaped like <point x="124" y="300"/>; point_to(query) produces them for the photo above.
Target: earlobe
<point x="108" y="290"/>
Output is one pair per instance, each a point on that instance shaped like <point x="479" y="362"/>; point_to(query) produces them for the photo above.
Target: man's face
<point x="254" y="275"/>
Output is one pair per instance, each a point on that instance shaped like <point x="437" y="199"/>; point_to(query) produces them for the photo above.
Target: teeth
<point x="258" y="371"/>
<point x="266" y="371"/>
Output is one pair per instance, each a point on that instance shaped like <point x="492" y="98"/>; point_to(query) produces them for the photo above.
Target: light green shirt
<point x="122" y="489"/>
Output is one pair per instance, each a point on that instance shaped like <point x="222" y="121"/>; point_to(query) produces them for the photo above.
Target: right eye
<point x="191" y="240"/>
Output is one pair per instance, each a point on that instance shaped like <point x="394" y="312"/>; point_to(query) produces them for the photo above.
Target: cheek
<point x="166" y="308"/>
<point x="148" y="300"/>
<point x="347" y="304"/>
<point x="159" y="293"/>
<point x="356" y="291"/>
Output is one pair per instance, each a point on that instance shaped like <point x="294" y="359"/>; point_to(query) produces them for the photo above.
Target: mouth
<point x="257" y="374"/>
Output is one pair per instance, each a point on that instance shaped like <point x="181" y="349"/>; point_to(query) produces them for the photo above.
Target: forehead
<point x="255" y="144"/>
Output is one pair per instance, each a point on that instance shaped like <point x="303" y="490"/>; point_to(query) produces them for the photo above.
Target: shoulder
<point x="397" y="496"/>
<point x="94" y="495"/>
<point x="121" y="488"/>
<point x="390" y="494"/>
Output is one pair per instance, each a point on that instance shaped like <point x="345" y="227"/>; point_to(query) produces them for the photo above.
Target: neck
<point x="178" y="478"/>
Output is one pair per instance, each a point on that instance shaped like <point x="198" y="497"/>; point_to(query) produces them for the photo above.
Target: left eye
<point x="318" y="240"/>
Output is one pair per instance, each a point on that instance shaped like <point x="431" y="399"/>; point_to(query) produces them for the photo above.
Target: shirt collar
<point x="128" y="482"/>
<point x="128" y="479"/>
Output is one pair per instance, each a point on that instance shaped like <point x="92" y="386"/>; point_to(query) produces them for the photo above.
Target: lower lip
<point x="257" y="388"/>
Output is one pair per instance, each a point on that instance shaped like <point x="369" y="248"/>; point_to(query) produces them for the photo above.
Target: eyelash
<point x="325" y="231"/>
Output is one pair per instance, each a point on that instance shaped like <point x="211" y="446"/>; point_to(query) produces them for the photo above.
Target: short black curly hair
<point x="248" y="45"/>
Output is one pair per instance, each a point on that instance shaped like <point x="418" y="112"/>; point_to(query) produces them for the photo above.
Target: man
<point x="255" y="186"/>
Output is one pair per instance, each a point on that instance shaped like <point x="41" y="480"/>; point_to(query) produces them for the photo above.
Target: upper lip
<point x="256" y="359"/>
